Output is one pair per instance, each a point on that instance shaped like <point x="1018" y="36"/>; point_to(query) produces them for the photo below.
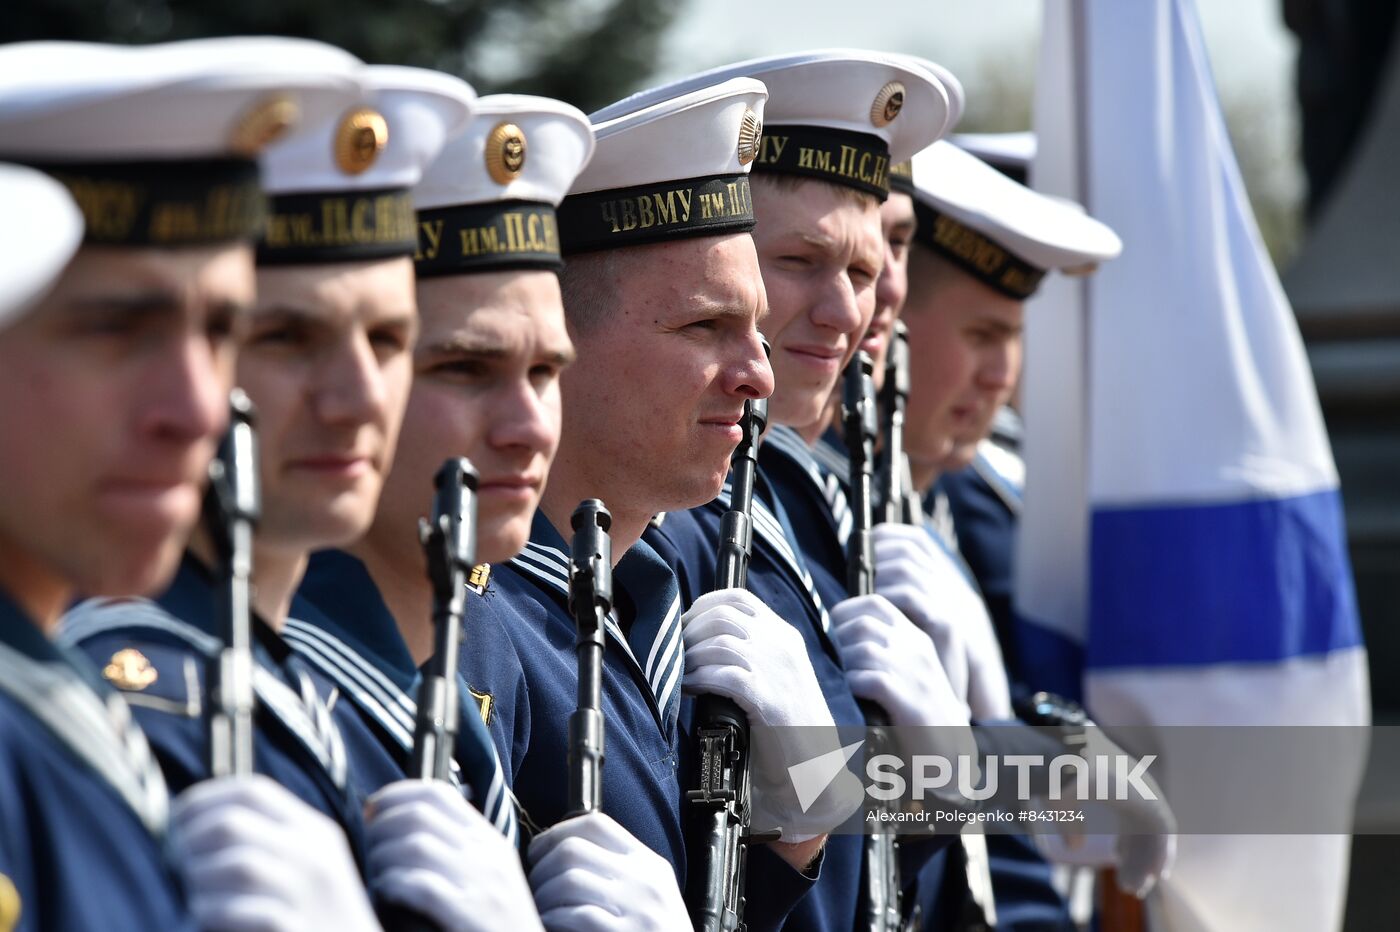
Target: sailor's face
<point x="114" y="393"/>
<point x="651" y="408"/>
<point x="486" y="386"/>
<point x="327" y="364"/>
<point x="897" y="227"/>
<point x="965" y="357"/>
<point x="821" y="253"/>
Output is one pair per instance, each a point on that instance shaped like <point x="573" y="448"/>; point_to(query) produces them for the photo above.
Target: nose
<point x="185" y="392"/>
<point x="522" y="417"/>
<point x="748" y="373"/>
<point x="997" y="370"/>
<point x="891" y="285"/>
<point x="836" y="307"/>
<point x="348" y="387"/>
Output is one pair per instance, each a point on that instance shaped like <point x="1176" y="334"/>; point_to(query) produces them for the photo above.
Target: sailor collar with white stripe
<point x="345" y="629"/>
<point x="186" y="611"/>
<point x="545" y="561"/>
<point x="770" y="529"/>
<point x="66" y="696"/>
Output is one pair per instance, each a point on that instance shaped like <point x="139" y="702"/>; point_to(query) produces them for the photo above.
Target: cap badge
<point x="505" y="153"/>
<point x="129" y="669"/>
<point x="750" y="134"/>
<point x="887" y="104"/>
<point x="359" y="139"/>
<point x="264" y="123"/>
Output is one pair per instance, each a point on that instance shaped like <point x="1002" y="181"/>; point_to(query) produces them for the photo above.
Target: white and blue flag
<point x="1182" y="556"/>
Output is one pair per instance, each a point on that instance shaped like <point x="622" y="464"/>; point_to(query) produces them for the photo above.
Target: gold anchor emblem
<point x="129" y="669"/>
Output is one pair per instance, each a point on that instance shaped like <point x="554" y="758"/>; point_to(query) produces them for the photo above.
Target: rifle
<point x="590" y="601"/>
<point x="448" y="539"/>
<point x="723" y="734"/>
<point x="900" y="504"/>
<point x="449" y="543"/>
<point x="898" y="501"/>
<point x="231" y="509"/>
<point x="858" y="417"/>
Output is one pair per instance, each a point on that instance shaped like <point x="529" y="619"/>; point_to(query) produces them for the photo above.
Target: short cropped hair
<point x="589" y="284"/>
<point x="930" y="272"/>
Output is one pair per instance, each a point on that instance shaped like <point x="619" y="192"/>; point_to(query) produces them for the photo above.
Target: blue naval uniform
<point x="527" y="667"/>
<point x="295" y="741"/>
<point x="82" y="805"/>
<point x="984" y="501"/>
<point x="348" y="636"/>
<point x="1026" y="900"/>
<point x="780" y="577"/>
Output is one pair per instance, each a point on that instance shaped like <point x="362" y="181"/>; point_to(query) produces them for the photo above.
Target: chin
<point x="131" y="568"/>
<point x="699" y="490"/>
<point x="338" y="524"/>
<point x="499" y="540"/>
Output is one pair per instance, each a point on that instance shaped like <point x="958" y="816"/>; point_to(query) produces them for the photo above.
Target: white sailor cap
<point x="999" y="231"/>
<point x="1009" y="153"/>
<point x="674" y="168"/>
<point x="840" y="115"/>
<point x="157" y="143"/>
<point x="342" y="191"/>
<point x="902" y="173"/>
<point x="47" y="229"/>
<point x="488" y="202"/>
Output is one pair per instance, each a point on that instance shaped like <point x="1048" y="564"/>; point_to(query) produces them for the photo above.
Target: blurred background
<point x="1310" y="90"/>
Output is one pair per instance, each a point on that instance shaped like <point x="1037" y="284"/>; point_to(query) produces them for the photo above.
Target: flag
<point x="1182" y="555"/>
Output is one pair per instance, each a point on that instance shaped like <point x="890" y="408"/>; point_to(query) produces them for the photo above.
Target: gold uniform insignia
<point x="9" y="905"/>
<point x="505" y="153"/>
<point x="887" y="104"/>
<point x="360" y="138"/>
<point x="480" y="577"/>
<point x="129" y="669"/>
<point x="264" y="123"/>
<point x="750" y="136"/>
<point x="484" y="704"/>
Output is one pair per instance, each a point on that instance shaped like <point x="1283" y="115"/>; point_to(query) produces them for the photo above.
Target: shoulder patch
<point x="130" y="670"/>
<point x="485" y="704"/>
<point x="480" y="578"/>
<point x="9" y="905"/>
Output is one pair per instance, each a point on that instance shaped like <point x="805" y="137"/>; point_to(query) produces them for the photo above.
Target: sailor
<point x="983" y="246"/>
<point x="326" y="361"/>
<point x="1022" y="892"/>
<point x="489" y="353"/>
<point x="662" y="293"/>
<point x="116" y="381"/>
<point x="837" y="122"/>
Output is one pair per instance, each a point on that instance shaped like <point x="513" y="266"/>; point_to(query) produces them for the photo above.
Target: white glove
<point x="429" y="850"/>
<point x="589" y="873"/>
<point x="737" y="647"/>
<point x="893" y="664"/>
<point x="255" y="857"/>
<point x="1143" y="850"/>
<point x="926" y="584"/>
